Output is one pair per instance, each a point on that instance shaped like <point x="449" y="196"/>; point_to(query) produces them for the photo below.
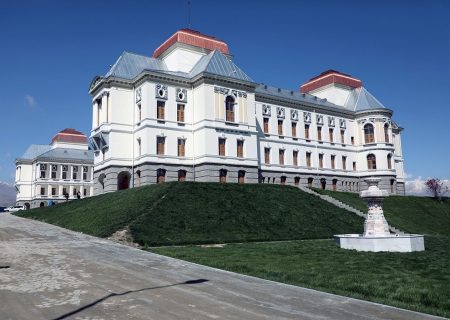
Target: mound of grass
<point x="193" y="213"/>
<point x="422" y="215"/>
<point x="417" y="281"/>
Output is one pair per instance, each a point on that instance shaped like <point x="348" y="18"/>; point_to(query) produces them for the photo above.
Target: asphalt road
<point x="48" y="272"/>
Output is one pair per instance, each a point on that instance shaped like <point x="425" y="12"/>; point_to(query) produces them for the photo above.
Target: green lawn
<point x="418" y="281"/>
<point x="422" y="215"/>
<point x="193" y="213"/>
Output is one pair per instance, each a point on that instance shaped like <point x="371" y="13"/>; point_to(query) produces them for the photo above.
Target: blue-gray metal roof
<point x="295" y="95"/>
<point x="68" y="154"/>
<point x="38" y="151"/>
<point x="360" y="99"/>
<point x="217" y="63"/>
<point x="130" y="65"/>
<point x="35" y="150"/>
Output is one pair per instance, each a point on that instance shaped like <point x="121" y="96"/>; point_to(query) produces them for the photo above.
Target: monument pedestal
<point x="376" y="235"/>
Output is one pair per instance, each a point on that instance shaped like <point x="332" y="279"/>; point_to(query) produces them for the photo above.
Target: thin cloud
<point x="417" y="186"/>
<point x="31" y="101"/>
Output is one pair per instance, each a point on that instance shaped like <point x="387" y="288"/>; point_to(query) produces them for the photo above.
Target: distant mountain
<point x="7" y="195"/>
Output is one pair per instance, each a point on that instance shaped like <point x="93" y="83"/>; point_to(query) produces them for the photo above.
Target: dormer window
<point x="229" y="107"/>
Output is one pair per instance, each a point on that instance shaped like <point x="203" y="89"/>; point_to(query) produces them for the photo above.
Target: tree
<point x="436" y="187"/>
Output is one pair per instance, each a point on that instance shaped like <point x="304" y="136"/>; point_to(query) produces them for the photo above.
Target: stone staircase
<point x="342" y="205"/>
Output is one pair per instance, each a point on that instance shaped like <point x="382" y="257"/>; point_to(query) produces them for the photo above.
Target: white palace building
<point x="46" y="173"/>
<point x="189" y="113"/>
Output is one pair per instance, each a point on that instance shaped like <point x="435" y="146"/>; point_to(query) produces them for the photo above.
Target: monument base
<point x="392" y="243"/>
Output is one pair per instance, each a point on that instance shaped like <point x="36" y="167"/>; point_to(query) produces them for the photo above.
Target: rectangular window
<point x="266" y="125"/>
<point x="160" y="110"/>
<point x="160" y="142"/>
<point x="308" y="159"/>
<point x="331" y="133"/>
<point x="307" y="131"/>
<point x="343" y="136"/>
<point x="85" y="176"/>
<point x="99" y="112"/>
<point x="344" y="163"/>
<point x="319" y="133"/>
<point x="280" y="127"/>
<point x="295" y="157"/>
<point x="180" y="112"/>
<point x="85" y="192"/>
<point x="139" y="113"/>
<point x="333" y="161"/>
<point x="281" y="156"/>
<point x="74" y="191"/>
<point x="139" y="146"/>
<point x="53" y="174"/>
<point x="354" y="166"/>
<point x="53" y="191"/>
<point x="64" y="191"/>
<point x="240" y="148"/>
<point x="181" y="147"/>
<point x="42" y="191"/>
<point x="352" y="139"/>
<point x="64" y="175"/>
<point x="294" y="129"/>
<point x="321" y="160"/>
<point x="266" y="155"/>
<point x="221" y="147"/>
<point x="42" y="176"/>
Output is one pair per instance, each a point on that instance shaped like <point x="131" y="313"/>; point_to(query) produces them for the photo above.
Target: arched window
<point x="101" y="180"/>
<point x="138" y="178"/>
<point x="283" y="180"/>
<point x="369" y="136"/>
<point x="160" y="176"/>
<point x="222" y="175"/>
<point x="229" y="107"/>
<point x="310" y="182"/>
<point x="296" y="181"/>
<point x="241" y="176"/>
<point x="323" y="183"/>
<point x="386" y="133"/>
<point x="389" y="161"/>
<point x="371" y="162"/>
<point x="123" y="180"/>
<point x="335" y="184"/>
<point x="181" y="175"/>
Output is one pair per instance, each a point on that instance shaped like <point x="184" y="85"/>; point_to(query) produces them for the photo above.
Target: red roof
<point x="328" y="77"/>
<point x="70" y="135"/>
<point x="193" y="38"/>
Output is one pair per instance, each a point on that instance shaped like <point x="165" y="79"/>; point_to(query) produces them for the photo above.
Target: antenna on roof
<point x="189" y="14"/>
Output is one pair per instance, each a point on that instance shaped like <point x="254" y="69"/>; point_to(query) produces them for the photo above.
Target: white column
<point x="94" y="114"/>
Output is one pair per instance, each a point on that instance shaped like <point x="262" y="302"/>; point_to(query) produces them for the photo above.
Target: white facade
<point x="45" y="173"/>
<point x="136" y="143"/>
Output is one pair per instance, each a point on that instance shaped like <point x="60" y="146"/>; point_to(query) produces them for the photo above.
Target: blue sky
<point x="51" y="50"/>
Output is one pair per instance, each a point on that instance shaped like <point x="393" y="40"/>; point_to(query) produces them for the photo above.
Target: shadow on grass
<point x="64" y="316"/>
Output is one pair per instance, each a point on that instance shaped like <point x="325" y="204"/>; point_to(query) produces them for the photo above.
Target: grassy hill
<point x="194" y="213"/>
<point x="408" y="213"/>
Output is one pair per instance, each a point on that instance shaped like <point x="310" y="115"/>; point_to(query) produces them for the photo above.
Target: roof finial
<point x="189" y="14"/>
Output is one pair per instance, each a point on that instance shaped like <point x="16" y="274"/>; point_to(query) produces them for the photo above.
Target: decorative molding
<point x="307" y="117"/>
<point x="331" y="121"/>
<point x="181" y="95"/>
<point x="294" y="115"/>
<point x="138" y="94"/>
<point x="266" y="110"/>
<point x="280" y="113"/>
<point x="319" y="119"/>
<point x="226" y="91"/>
<point x="161" y="91"/>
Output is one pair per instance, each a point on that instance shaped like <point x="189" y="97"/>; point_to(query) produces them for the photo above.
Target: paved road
<point x="58" y="274"/>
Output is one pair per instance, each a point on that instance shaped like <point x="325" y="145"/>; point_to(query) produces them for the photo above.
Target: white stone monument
<point x="376" y="235"/>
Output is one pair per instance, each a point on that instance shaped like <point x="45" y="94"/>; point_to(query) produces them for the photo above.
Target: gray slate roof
<point x="38" y="151"/>
<point x="360" y="99"/>
<point x="129" y="65"/>
<point x="295" y="95"/>
<point x="35" y="150"/>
